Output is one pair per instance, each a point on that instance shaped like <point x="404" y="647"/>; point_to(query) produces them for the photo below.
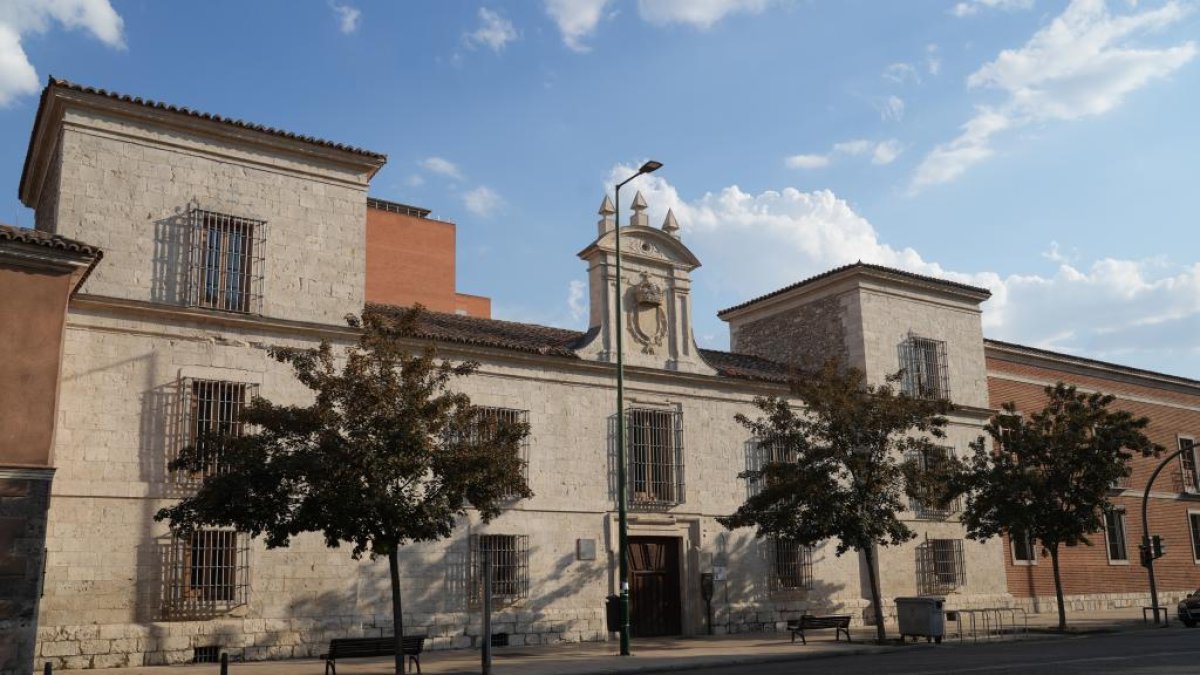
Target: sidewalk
<point x="650" y="655"/>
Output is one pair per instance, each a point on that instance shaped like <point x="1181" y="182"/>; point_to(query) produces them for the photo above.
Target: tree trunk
<point x="1058" y="592"/>
<point x="869" y="554"/>
<point x="397" y="608"/>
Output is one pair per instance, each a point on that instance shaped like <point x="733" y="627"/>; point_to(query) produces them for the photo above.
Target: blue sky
<point x="1045" y="149"/>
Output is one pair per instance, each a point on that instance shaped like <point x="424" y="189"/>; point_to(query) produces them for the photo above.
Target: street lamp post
<point x="622" y="495"/>
<point x="1148" y="559"/>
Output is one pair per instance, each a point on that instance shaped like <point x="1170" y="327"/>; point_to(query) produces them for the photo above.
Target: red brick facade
<point x="1019" y="375"/>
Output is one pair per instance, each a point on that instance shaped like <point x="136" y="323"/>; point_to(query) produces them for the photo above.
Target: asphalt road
<point x="1171" y="651"/>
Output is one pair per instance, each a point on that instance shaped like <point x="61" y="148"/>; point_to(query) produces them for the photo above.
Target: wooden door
<point x="655" y="606"/>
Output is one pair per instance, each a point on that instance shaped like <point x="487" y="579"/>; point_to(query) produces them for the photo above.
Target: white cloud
<point x="881" y="153"/>
<point x="886" y="152"/>
<point x="806" y="161"/>
<point x="576" y="296"/>
<point x="1141" y="312"/>
<point x="24" y="17"/>
<point x="441" y="166"/>
<point x="494" y="31"/>
<point x="483" y="201"/>
<point x="348" y="17"/>
<point x="578" y="19"/>
<point x="971" y="7"/>
<point x="901" y="73"/>
<point x="415" y="180"/>
<point x="699" y="13"/>
<point x="892" y="109"/>
<point x="933" y="60"/>
<point x="1079" y="65"/>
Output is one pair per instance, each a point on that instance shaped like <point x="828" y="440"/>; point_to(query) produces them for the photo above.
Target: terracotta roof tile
<point x="535" y="339"/>
<point x="39" y="238"/>
<point x="859" y="265"/>
<point x="66" y="84"/>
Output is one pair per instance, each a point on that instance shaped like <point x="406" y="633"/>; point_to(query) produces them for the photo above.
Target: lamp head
<point x="650" y="167"/>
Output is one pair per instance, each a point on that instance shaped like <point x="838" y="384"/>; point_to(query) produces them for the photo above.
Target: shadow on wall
<point x="172" y="246"/>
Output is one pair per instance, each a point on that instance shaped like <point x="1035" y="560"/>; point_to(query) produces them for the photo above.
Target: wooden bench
<point x="351" y="648"/>
<point x="840" y="623"/>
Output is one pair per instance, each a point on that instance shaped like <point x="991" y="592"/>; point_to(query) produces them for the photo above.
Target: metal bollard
<point x="224" y="663"/>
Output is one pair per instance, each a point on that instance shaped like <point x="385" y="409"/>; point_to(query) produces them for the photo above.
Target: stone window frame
<point x="666" y="459"/>
<point x="1029" y="543"/>
<point x="204" y="584"/>
<point x="1124" y="531"/>
<point x="224" y="262"/>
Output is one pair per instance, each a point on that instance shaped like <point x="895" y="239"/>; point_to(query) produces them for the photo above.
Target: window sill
<point x="1025" y="563"/>
<point x="1118" y="562"/>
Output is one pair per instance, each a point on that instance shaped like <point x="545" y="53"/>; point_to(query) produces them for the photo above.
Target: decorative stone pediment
<point x="655" y="293"/>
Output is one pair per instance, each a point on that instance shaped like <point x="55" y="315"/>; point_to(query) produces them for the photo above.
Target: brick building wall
<point x="1090" y="579"/>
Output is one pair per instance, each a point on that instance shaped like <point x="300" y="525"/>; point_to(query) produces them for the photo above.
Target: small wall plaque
<point x="585" y="549"/>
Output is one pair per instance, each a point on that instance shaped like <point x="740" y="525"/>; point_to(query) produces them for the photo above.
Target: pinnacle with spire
<point x="607" y="220"/>
<point x="639" y="206"/>
<point x="670" y="225"/>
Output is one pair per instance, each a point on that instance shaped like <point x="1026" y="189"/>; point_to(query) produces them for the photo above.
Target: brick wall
<point x="1089" y="579"/>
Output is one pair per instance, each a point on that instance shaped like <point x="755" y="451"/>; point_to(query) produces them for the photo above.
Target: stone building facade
<point x="223" y="238"/>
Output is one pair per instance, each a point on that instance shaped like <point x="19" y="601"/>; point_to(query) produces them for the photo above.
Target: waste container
<point x="612" y="613"/>
<point x="921" y="617"/>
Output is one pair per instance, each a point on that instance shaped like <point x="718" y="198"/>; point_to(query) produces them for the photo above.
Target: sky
<point x="1044" y="149"/>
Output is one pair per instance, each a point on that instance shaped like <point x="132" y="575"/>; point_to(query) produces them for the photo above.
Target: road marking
<point x="1043" y="664"/>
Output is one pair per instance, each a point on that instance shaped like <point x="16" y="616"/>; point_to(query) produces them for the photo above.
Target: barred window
<point x="207" y="572"/>
<point x="1114" y="535"/>
<point x="510" y="566"/>
<point x="1022" y="548"/>
<point x="489" y="418"/>
<point x="1187" y="465"/>
<point x="791" y="565"/>
<point x="225" y="265"/>
<point x="941" y="567"/>
<point x="1194" y="527"/>
<point x="926" y="461"/>
<point x="924" y="368"/>
<point x="212" y="407"/>
<point x="655" y="456"/>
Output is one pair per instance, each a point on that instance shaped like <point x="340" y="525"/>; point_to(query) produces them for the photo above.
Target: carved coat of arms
<point x="648" y="317"/>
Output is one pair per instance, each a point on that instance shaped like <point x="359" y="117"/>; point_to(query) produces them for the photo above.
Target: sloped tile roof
<point x="39" y="238"/>
<point x="865" y="266"/>
<point x="546" y="340"/>
<point x="66" y="84"/>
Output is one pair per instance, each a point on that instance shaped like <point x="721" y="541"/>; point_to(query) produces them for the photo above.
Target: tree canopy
<point x="385" y="454"/>
<point x="1049" y="475"/>
<point x="837" y="465"/>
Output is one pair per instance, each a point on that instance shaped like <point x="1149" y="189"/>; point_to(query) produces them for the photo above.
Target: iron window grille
<point x="207" y="572"/>
<point x="763" y="453"/>
<point x="226" y="256"/>
<point x="510" y="566"/>
<point x="1194" y="527"/>
<point x="489" y="418"/>
<point x="1189" y="479"/>
<point x="1023" y="551"/>
<point x="211" y="407"/>
<point x="924" y="368"/>
<point x="941" y="567"/>
<point x="1114" y="535"/>
<point x="791" y="565"/>
<point x="655" y="456"/>
<point x="926" y="460"/>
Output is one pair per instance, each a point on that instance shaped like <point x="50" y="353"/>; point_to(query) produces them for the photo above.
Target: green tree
<point x="385" y="455"/>
<point x="1051" y="473"/>
<point x="839" y="469"/>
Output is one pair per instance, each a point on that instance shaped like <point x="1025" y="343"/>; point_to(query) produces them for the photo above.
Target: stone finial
<point x="639" y="206"/>
<point x="607" y="222"/>
<point x="670" y="225"/>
